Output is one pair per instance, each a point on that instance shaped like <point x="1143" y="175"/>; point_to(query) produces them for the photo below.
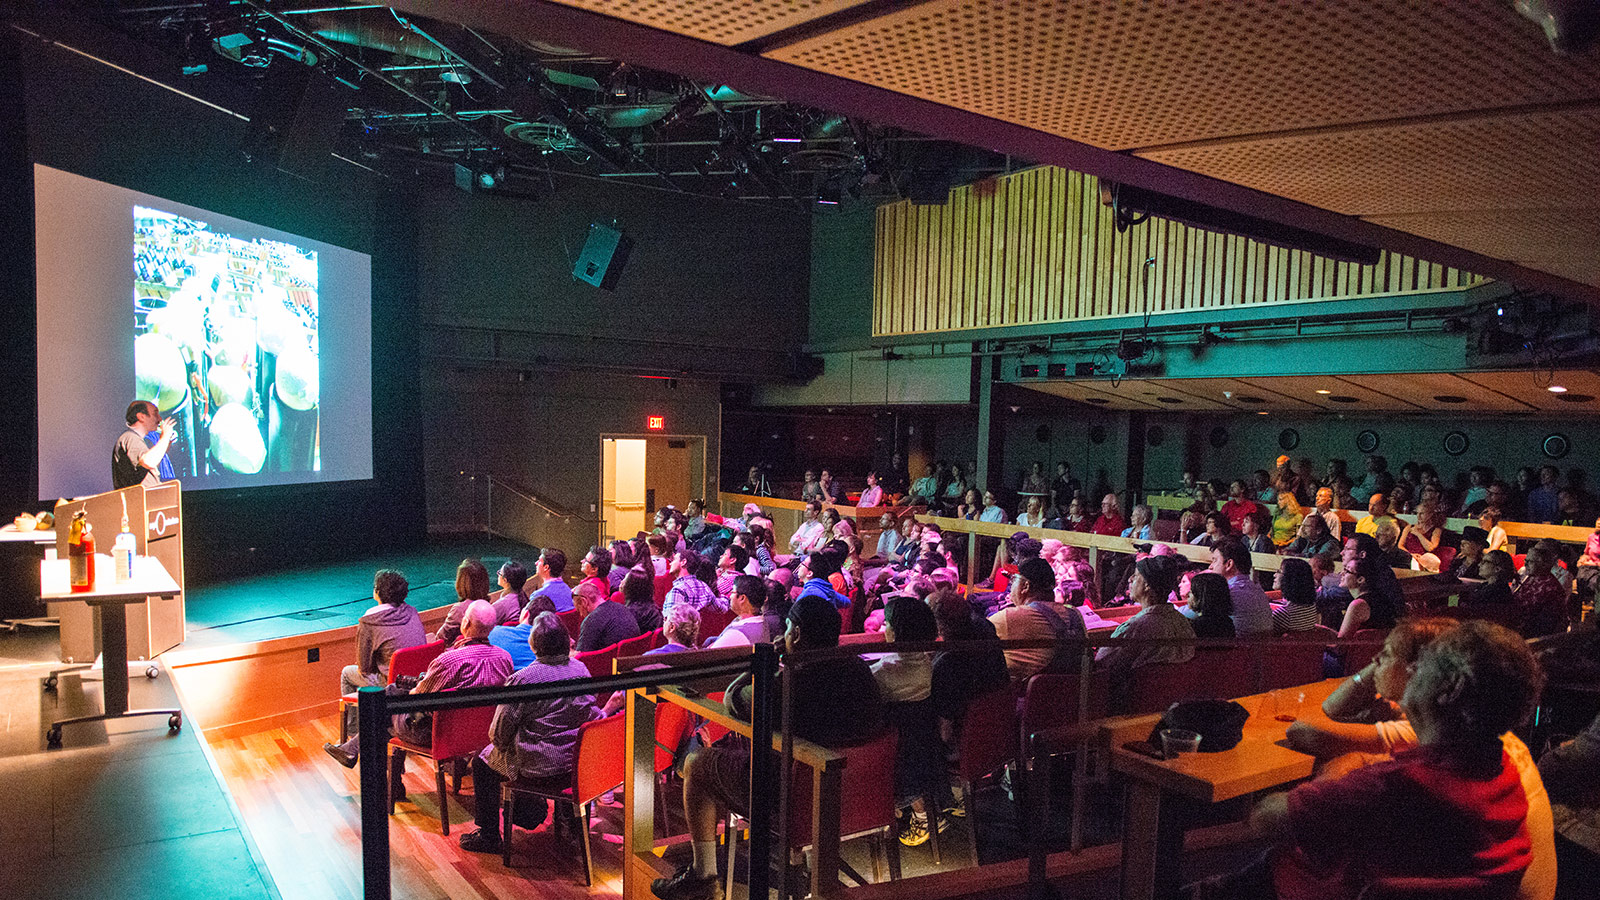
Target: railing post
<point x="764" y="668"/>
<point x="372" y="710"/>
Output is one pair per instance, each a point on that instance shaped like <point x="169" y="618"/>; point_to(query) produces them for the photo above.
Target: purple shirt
<point x="473" y="664"/>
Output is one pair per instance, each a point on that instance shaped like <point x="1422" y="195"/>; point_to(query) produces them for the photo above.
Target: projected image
<point x="225" y="342"/>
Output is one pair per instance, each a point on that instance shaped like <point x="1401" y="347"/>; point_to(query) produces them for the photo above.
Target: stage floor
<point x="306" y="599"/>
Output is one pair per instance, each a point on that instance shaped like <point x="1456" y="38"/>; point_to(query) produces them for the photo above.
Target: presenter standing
<point x="133" y="460"/>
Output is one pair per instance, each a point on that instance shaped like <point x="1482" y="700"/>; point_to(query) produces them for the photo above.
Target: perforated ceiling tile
<point x="1563" y="242"/>
<point x="1540" y="159"/>
<point x="721" y="21"/>
<point x="1128" y="75"/>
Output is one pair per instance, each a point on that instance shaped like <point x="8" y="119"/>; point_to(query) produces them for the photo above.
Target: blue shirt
<point x="558" y="593"/>
<point x="1143" y="535"/>
<point x="513" y="639"/>
<point x="819" y="587"/>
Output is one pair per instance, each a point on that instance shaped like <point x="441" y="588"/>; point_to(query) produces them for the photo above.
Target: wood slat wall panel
<point x="1037" y="246"/>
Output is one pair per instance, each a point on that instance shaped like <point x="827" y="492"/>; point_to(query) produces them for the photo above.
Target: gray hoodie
<point x="381" y="631"/>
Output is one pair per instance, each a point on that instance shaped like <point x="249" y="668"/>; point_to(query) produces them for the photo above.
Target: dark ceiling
<point x="405" y="95"/>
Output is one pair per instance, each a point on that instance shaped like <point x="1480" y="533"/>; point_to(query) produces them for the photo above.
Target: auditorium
<point x="857" y="449"/>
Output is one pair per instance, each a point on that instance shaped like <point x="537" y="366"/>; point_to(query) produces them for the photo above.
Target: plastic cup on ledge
<point x="1177" y="741"/>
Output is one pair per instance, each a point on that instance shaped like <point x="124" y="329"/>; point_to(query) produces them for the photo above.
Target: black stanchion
<point x="764" y="668"/>
<point x="373" y="714"/>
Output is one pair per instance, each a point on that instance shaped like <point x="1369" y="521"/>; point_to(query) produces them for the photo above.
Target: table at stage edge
<point x="110" y="600"/>
<point x="1152" y="843"/>
<point x="10" y="535"/>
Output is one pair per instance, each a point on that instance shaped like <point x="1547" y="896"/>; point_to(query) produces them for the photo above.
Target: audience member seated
<point x="814" y="574"/>
<point x="1541" y="599"/>
<point x="764" y="543"/>
<point x="960" y="675"/>
<point x="1077" y="517"/>
<point x="731" y="563"/>
<point x="1497" y="570"/>
<point x="1216" y="528"/>
<point x="811" y="533"/>
<point x="835" y="703"/>
<point x="1212" y="605"/>
<point x="1369" y="608"/>
<point x="955" y="489"/>
<point x="747" y="599"/>
<point x="1033" y="614"/>
<point x="682" y="631"/>
<point x="552" y="565"/>
<point x="1336" y="836"/>
<point x="1155" y="578"/>
<point x="687" y="588"/>
<point x="389" y="626"/>
<point x="1110" y="522"/>
<point x="1254" y="530"/>
<point x="472" y="662"/>
<point x="513" y="578"/>
<point x="1474" y="542"/>
<point x="1064" y="487"/>
<point x="596" y="569"/>
<point x="1238" y="506"/>
<point x="1298" y="586"/>
<point x="872" y="497"/>
<point x="1252" y="612"/>
<point x="1377" y="479"/>
<point x="1139" y="528"/>
<point x="533" y="742"/>
<point x="1571" y="772"/>
<point x="660" y="548"/>
<point x="1032" y="515"/>
<point x="905" y="682"/>
<point x="831" y="490"/>
<point x="1428" y="541"/>
<point x="1387" y="534"/>
<point x="1489" y="521"/>
<point x="1312" y="538"/>
<point x="810" y="488"/>
<point x="1542" y="501"/>
<point x="1325" y="511"/>
<point x="1377" y="514"/>
<point x="889" y="540"/>
<point x="1286" y="521"/>
<point x="925" y="490"/>
<point x="604" y="623"/>
<point x="472" y="583"/>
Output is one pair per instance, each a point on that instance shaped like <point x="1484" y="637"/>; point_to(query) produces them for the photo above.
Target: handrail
<point x="529" y="496"/>
<point x="1567" y="534"/>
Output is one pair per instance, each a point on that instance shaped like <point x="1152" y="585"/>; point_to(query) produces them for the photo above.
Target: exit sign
<point x="655" y="423"/>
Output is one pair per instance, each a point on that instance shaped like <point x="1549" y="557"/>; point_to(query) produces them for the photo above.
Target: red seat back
<point x="712" y="620"/>
<point x="1214" y="673"/>
<point x="672" y="727"/>
<point x="461" y="732"/>
<point x="988" y="734"/>
<point x="1051" y="701"/>
<point x="635" y="646"/>
<point x="1295" y="658"/>
<point x="601" y="758"/>
<point x="658" y="639"/>
<point x="572" y="620"/>
<point x="660" y="586"/>
<point x="599" y="662"/>
<point x="414" y="660"/>
<point x="867" y="787"/>
<point x="616" y="597"/>
<point x="1356" y="658"/>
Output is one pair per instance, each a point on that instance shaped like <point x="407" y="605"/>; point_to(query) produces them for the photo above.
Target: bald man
<point x="472" y="662"/>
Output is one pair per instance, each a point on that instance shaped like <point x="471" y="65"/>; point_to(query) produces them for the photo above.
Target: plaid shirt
<point x="689" y="590"/>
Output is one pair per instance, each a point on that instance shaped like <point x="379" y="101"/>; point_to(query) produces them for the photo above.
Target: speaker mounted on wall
<point x="1367" y="441"/>
<point x="1288" y="439"/>
<point x="1456" y="443"/>
<point x="296" y="122"/>
<point x="1219" y="437"/>
<point x="1556" y="445"/>
<point x="605" y="252"/>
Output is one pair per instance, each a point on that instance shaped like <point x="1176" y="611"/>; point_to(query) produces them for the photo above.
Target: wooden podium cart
<point x="155" y="516"/>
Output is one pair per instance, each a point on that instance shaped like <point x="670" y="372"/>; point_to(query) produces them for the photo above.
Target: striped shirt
<point x="691" y="591"/>
<point x="1295" y="617"/>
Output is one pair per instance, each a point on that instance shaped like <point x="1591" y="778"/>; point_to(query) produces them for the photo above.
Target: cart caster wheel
<point x="151" y="671"/>
<point x="175" y="722"/>
<point x="50" y="684"/>
<point x="52" y="738"/>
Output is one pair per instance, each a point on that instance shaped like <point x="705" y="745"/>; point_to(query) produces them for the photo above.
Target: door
<point x="622" y="492"/>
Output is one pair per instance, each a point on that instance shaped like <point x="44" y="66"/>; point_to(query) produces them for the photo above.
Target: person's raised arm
<point x="152" y="458"/>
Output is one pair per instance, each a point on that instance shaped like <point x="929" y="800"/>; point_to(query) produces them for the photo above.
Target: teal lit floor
<point x="332" y="595"/>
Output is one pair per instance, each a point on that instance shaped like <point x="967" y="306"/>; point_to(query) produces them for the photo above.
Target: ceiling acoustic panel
<point x="727" y="22"/>
<point x="1516" y="161"/>
<point x="1562" y="241"/>
<point x="1142" y="75"/>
